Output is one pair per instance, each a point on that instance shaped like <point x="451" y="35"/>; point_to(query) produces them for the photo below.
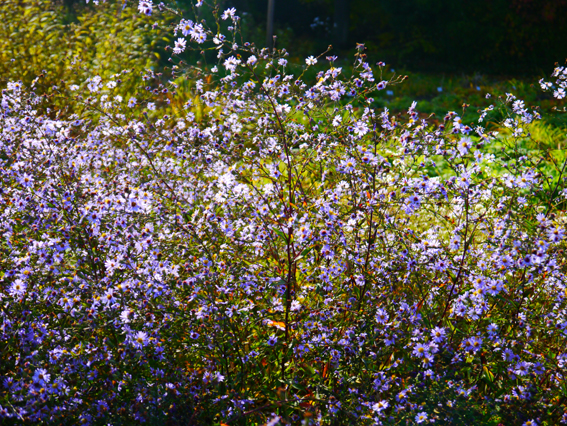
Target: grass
<point x="438" y="93"/>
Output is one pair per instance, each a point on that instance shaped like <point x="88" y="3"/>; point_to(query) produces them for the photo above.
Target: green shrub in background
<point x="45" y="39"/>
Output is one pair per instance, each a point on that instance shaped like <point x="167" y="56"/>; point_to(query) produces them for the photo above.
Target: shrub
<point x="44" y="46"/>
<point x="293" y="256"/>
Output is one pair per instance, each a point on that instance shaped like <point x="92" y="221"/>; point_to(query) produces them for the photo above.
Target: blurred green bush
<point x="59" y="43"/>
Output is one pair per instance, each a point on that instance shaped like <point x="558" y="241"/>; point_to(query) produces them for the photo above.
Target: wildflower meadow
<point x="243" y="240"/>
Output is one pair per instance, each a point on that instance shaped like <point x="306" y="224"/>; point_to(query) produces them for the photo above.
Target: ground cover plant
<point x="278" y="251"/>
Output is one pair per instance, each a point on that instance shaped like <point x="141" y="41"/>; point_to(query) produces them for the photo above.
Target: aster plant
<point x="277" y="252"/>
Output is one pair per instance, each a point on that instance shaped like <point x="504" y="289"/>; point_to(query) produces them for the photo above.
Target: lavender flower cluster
<point x="278" y="253"/>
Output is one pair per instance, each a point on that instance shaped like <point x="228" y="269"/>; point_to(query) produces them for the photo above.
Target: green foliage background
<point x="66" y="44"/>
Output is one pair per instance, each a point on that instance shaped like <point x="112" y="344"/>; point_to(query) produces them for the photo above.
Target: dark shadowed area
<point x="498" y="37"/>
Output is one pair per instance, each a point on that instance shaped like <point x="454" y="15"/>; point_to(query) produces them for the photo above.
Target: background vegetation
<point x="452" y="51"/>
<point x="61" y="44"/>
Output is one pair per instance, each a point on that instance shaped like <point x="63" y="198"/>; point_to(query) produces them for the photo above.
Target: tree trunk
<point x="270" y="25"/>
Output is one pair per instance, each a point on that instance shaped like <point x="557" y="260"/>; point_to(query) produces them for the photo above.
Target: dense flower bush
<point x="280" y="253"/>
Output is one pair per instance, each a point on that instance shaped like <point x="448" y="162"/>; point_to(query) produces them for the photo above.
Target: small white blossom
<point x="311" y="60"/>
